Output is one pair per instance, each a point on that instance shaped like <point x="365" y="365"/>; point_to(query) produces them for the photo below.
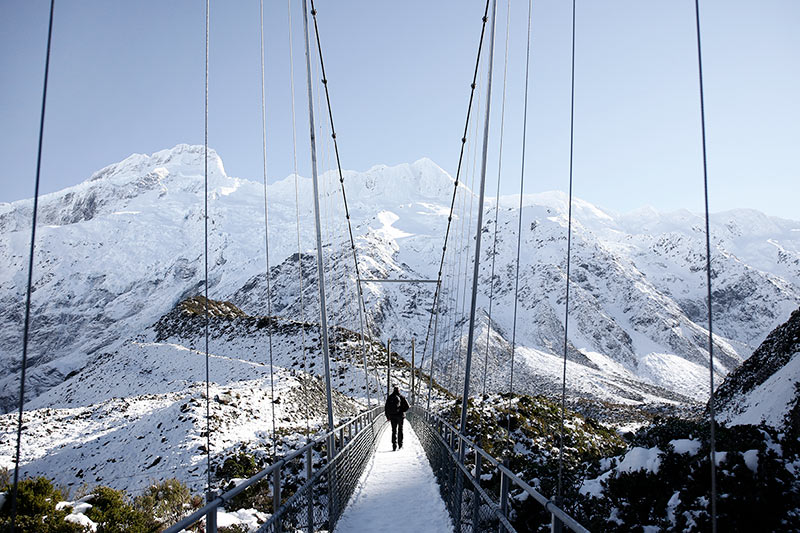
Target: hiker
<point x="396" y="406"/>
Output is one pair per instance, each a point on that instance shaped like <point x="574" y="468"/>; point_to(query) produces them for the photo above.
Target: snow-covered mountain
<point x="119" y="251"/>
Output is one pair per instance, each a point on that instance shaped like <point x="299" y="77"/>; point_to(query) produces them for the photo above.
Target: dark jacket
<point x="396" y="405"/>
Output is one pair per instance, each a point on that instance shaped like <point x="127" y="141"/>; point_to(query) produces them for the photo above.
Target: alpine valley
<point x="115" y="381"/>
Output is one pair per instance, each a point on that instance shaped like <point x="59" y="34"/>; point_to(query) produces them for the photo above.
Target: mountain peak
<point x="181" y="159"/>
<point x="112" y="188"/>
<point x="404" y="183"/>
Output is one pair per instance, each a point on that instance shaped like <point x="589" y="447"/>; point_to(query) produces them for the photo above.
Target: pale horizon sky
<point x="128" y="78"/>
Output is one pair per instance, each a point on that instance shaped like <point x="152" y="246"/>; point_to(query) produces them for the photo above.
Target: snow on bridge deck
<point x="397" y="492"/>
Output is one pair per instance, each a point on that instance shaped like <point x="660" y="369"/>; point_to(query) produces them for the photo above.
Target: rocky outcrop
<point x="765" y="387"/>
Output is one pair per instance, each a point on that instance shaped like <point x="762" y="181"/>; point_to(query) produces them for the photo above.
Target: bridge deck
<point x="397" y="492"/>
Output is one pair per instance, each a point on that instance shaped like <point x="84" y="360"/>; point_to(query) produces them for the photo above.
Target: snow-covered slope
<point x="766" y="387"/>
<point x="119" y="251"/>
<point x="137" y="414"/>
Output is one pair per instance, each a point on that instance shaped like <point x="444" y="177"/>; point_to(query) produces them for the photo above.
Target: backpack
<point x="403" y="407"/>
<point x="396" y="405"/>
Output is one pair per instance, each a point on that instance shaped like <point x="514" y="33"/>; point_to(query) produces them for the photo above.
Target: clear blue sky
<point x="128" y="77"/>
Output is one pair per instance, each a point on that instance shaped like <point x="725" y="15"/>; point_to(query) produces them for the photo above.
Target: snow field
<point x="397" y="492"/>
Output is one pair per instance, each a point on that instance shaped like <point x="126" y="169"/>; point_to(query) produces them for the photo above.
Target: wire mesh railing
<point x="480" y="492"/>
<point x="308" y="493"/>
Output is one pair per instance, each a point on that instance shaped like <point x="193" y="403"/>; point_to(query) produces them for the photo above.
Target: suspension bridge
<point x="441" y="480"/>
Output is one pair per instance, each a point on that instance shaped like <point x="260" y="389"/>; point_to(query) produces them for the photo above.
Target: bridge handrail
<point x="277" y="515"/>
<point x="538" y="496"/>
<point x="328" y="437"/>
<point x="549" y="504"/>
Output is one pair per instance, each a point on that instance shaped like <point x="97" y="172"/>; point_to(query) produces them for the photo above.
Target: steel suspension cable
<point x="297" y="228"/>
<point x="569" y="254"/>
<point x="479" y="225"/>
<point x="461" y="258"/>
<point x="29" y="290"/>
<point x="361" y="307"/>
<point x="466" y="247"/>
<point x="452" y="293"/>
<point x="433" y="354"/>
<point x="519" y="220"/>
<point x="436" y="314"/>
<point x="458" y="258"/>
<point x="712" y="436"/>
<point x="497" y="196"/>
<point x="324" y="162"/>
<point x="369" y="322"/>
<point x="444" y="309"/>
<point x="318" y="229"/>
<point x="205" y="261"/>
<point x="437" y="291"/>
<point x="458" y="255"/>
<point x="266" y="231"/>
<point x="324" y="158"/>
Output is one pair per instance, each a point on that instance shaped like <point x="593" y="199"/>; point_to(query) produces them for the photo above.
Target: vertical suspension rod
<point x="559" y="491"/>
<point x="315" y="181"/>
<point x="433" y="349"/>
<point x="470" y="333"/>
<point x="712" y="416"/>
<point x="26" y="327"/>
<point x="519" y="220"/>
<point x="361" y="303"/>
<point x="266" y="227"/>
<point x="437" y="293"/>
<point x="497" y="196"/>
<point x="205" y="262"/>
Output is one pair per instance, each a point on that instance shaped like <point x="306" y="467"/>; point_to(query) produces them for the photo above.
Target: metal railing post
<point x="309" y="473"/>
<point x="475" y="494"/>
<point x="451" y="475"/>
<point x="504" y="494"/>
<point x="331" y="474"/>
<point x="459" y="485"/>
<point x="413" y="369"/>
<point x="211" y="517"/>
<point x="276" y="495"/>
<point x="556" y="525"/>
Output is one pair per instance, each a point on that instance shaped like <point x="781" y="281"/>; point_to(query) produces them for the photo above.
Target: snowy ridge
<point x="766" y="388"/>
<point x="120" y="250"/>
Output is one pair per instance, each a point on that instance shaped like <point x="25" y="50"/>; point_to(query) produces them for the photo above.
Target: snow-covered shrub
<point x="532" y="448"/>
<point x="242" y="466"/>
<point x="758" y="488"/>
<point x="113" y="513"/>
<point x="36" y="508"/>
<point x="167" y="501"/>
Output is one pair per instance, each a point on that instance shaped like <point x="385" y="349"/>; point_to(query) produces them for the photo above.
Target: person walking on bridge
<point x="395" y="408"/>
